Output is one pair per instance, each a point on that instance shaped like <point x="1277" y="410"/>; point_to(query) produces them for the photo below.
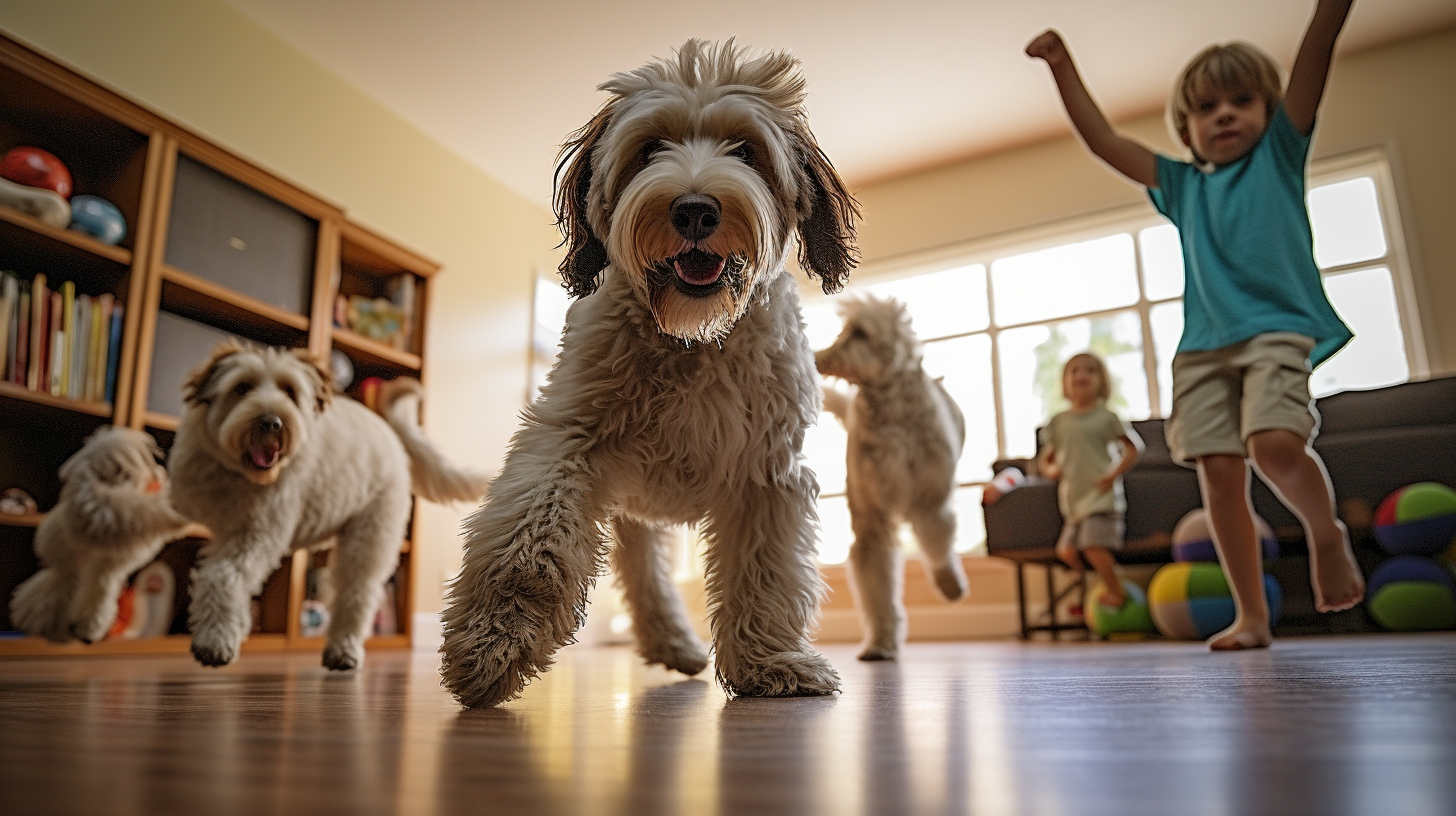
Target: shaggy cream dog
<point x="271" y="461"/>
<point x="681" y="393"/>
<point x="113" y="518"/>
<point x="905" y="437"/>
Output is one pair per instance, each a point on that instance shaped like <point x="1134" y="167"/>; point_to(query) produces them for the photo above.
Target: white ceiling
<point x="893" y="86"/>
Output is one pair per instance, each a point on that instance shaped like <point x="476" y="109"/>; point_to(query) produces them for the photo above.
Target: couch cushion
<point x="1413" y="404"/>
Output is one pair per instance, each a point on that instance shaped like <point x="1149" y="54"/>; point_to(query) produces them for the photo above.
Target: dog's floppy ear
<point x="827" y="213"/>
<point x="194" y="391"/>
<point x="586" y="255"/>
<point x="319" y="377"/>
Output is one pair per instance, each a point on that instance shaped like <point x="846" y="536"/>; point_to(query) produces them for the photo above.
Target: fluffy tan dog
<point x="112" y="519"/>
<point x="271" y="461"/>
<point x="681" y="393"/>
<point x="905" y="437"/>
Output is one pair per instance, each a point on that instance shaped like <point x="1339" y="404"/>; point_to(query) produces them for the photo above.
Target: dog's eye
<point x="292" y="394"/>
<point x="857" y="333"/>
<point x="650" y="149"/>
<point x="742" y="152"/>
<point x="242" y="389"/>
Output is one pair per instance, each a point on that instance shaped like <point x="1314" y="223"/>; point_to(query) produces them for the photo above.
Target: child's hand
<point x="1051" y="470"/>
<point x="1049" y="47"/>
<point x="1106" y="481"/>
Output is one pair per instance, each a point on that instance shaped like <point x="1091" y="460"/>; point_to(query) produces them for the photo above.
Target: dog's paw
<point x="342" y="658"/>
<point x="950" y="580"/>
<point x="688" y="656"/>
<point x="213" y="654"/>
<point x="787" y="674"/>
<point x="877" y="652"/>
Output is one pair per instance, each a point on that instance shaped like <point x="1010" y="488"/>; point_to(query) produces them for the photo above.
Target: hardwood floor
<point x="1327" y="725"/>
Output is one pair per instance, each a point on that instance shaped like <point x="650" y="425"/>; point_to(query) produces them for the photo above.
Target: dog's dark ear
<point x="195" y="390"/>
<point x="320" y="380"/>
<point x="827" y="214"/>
<point x="586" y="255"/>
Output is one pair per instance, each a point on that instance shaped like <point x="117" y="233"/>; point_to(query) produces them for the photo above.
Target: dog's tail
<point x="432" y="476"/>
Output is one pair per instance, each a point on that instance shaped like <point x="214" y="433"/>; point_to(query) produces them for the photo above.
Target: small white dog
<point x="113" y="518"/>
<point x="905" y="437"/>
<point x="271" y="461"/>
<point x="681" y="393"/>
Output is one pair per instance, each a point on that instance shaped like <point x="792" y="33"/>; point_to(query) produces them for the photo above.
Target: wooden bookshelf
<point x="278" y="285"/>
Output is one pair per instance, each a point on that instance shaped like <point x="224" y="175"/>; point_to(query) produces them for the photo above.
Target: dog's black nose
<point x="270" y="424"/>
<point x="696" y="216"/>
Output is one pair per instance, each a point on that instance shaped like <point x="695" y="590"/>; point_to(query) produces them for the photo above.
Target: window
<point x="998" y="321"/>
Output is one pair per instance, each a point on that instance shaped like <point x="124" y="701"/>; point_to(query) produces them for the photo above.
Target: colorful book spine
<point x="76" y="387"/>
<point x="40" y="304"/>
<point x="9" y="295"/>
<point x="22" y="336"/>
<point x="61" y="383"/>
<point x="95" y="353"/>
<point x="113" y="351"/>
<point x="58" y="343"/>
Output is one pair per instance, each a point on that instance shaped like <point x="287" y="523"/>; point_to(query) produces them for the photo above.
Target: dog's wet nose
<point x="270" y="424"/>
<point x="696" y="216"/>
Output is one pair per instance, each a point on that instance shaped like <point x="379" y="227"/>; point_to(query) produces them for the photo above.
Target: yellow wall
<point x="1395" y="97"/>
<point x="204" y="65"/>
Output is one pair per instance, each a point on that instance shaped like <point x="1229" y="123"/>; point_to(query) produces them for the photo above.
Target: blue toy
<point x="98" y="218"/>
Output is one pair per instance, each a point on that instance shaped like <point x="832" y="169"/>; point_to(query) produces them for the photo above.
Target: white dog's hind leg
<point x="41" y="605"/>
<point x="531" y="552"/>
<point x="229" y="575"/>
<point x="366" y="553"/>
<point x="935" y="530"/>
<point x="875" y="572"/>
<point x="93" y="607"/>
<point x="659" y="618"/>
<point x="764" y="590"/>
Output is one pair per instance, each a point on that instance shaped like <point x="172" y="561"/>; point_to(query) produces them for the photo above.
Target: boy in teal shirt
<point x="1256" y="318"/>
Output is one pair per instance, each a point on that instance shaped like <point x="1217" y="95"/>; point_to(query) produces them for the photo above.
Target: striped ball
<point x="1190" y="600"/>
<point x="1418" y="519"/>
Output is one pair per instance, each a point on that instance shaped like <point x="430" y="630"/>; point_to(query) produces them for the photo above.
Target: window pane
<point x="549" y="307"/>
<point x="824" y="446"/>
<point x="1376" y="357"/>
<point x="1031" y="372"/>
<point x="821" y="322"/>
<point x="1167" y="321"/>
<point x="942" y="303"/>
<point x="1162" y="262"/>
<point x="1346" y="222"/>
<point x="1076" y="278"/>
<point x="970" y="521"/>
<point x="835" y="534"/>
<point x="965" y="362"/>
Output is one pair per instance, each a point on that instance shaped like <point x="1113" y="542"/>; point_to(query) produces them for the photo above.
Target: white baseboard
<point x="427" y="631"/>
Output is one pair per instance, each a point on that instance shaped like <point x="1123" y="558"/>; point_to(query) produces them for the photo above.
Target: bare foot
<point x="1241" y="636"/>
<point x="1111" y="600"/>
<point x="1334" y="572"/>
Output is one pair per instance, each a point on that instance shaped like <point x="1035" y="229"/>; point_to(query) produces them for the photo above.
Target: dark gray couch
<point x="1372" y="442"/>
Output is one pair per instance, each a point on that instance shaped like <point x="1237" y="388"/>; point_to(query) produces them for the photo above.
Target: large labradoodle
<point x="113" y="518"/>
<point x="905" y="437"/>
<point x="681" y="393"/>
<point x="271" y="461"/>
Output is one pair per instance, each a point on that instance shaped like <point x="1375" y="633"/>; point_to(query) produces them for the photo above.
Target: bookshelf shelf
<point x="216" y="247"/>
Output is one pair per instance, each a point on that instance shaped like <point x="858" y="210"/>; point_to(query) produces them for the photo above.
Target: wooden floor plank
<point x="1323" y="725"/>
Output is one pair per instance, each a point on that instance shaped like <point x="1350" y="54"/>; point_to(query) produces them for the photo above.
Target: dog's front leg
<point x="94" y="606"/>
<point x="531" y="552"/>
<point x="764" y="589"/>
<point x="230" y="573"/>
<point x="659" y="619"/>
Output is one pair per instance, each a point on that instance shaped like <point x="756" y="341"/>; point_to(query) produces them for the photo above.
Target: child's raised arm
<point x="1123" y="154"/>
<point x="1312" y="64"/>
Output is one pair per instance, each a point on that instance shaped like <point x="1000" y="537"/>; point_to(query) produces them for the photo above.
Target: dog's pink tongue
<point x="698" y="268"/>
<point x="265" y="454"/>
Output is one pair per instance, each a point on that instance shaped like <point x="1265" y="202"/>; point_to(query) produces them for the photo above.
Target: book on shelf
<point x="113" y="352"/>
<point x="61" y="385"/>
<point x="59" y="341"/>
<point x="9" y="299"/>
<point x="20" y="339"/>
<point x="40" y="299"/>
<point x="58" y="345"/>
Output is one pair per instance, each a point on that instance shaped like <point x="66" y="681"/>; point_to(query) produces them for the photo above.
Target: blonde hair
<point x="1235" y="65"/>
<point x="1104" y="391"/>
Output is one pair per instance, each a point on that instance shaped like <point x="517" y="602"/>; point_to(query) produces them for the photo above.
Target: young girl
<point x="1077" y="451"/>
<point x="1256" y="318"/>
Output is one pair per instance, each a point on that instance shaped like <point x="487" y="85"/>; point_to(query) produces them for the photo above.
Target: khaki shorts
<point x="1097" y="530"/>
<point x="1220" y="397"/>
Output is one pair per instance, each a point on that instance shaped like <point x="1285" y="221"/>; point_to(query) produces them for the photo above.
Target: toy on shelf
<point x="47" y="205"/>
<point x="34" y="167"/>
<point x="98" y="218"/>
<point x="341" y="368"/>
<point x="374" y="318"/>
<point x="16" y="502"/>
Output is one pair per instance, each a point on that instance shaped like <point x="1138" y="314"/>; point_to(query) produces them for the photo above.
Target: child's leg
<point x="1067" y="547"/>
<point x="1224" y="481"/>
<point x="1101" y="560"/>
<point x="1298" y="476"/>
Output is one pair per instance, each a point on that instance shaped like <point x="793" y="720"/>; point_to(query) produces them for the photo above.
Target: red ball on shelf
<point x="34" y="167"/>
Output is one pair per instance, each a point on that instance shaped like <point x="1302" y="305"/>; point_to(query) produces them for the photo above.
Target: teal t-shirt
<point x="1248" y="252"/>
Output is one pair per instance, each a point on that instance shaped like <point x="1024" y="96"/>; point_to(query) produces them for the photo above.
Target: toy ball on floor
<point x="1410" y="593"/>
<point x="1193" y="540"/>
<point x="34" y="167"/>
<point x="1132" y="616"/>
<point x="1418" y="519"/>
<point x="98" y="218"/>
<point x="1190" y="600"/>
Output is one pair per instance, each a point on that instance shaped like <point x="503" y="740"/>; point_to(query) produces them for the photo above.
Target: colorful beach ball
<point x="1193" y="541"/>
<point x="1411" y="593"/>
<point x="1190" y="600"/>
<point x="1418" y="519"/>
<point x="1132" y="616"/>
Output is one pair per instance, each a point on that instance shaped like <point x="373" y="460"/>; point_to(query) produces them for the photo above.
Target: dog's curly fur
<point x="271" y="461"/>
<point x="681" y="393"/>
<point x="113" y="518"/>
<point x="905" y="437"/>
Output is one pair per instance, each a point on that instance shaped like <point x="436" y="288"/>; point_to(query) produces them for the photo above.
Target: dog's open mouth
<point x="264" y="450"/>
<point x="696" y="273"/>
